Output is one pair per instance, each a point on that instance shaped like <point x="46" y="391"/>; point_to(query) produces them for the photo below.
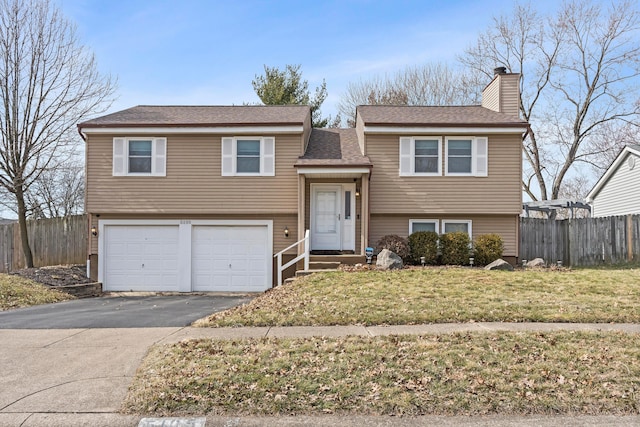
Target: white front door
<point x="333" y="217"/>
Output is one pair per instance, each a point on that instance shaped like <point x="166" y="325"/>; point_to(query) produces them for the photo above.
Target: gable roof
<point x="333" y="147"/>
<point x="628" y="149"/>
<point x="202" y="116"/>
<point x="401" y="115"/>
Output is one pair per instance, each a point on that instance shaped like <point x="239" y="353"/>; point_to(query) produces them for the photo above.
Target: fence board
<point x="53" y="241"/>
<point x="581" y="241"/>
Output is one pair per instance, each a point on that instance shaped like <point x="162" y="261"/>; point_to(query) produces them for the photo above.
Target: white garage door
<point x="141" y="258"/>
<point x="230" y="258"/>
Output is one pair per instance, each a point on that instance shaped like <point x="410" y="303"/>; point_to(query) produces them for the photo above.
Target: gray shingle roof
<point x="333" y="147"/>
<point x="178" y="115"/>
<point x="474" y="115"/>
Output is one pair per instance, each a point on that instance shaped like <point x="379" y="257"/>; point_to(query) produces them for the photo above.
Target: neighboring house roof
<point x="333" y="147"/>
<point x="195" y="116"/>
<point x="397" y="115"/>
<point x="628" y="149"/>
<point x="6" y="221"/>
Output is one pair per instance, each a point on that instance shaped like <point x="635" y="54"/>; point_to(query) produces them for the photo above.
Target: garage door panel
<point x="230" y="258"/>
<point x="146" y="257"/>
<point x="141" y="258"/>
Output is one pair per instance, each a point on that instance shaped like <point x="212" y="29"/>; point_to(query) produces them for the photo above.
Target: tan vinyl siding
<point x="193" y="183"/>
<point x="507" y="226"/>
<point x="498" y="193"/>
<point x="360" y="133"/>
<point x="503" y="94"/>
<point x="279" y="223"/>
<point x="306" y="134"/>
<point x="619" y="196"/>
<point x="509" y="94"/>
<point x="491" y="95"/>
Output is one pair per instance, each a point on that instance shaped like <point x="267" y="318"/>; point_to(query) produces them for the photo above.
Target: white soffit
<point x="193" y="130"/>
<point x="443" y="130"/>
<point x="329" y="172"/>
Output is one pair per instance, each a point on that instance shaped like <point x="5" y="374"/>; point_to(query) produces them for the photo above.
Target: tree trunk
<point x="22" y="222"/>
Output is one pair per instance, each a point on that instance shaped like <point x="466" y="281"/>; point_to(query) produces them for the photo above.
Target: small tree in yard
<point x="48" y="83"/>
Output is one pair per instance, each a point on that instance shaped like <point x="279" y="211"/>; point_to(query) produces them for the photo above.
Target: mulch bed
<point x="57" y="275"/>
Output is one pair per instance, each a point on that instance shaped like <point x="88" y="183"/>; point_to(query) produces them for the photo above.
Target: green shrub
<point x="487" y="248"/>
<point x="455" y="248"/>
<point x="423" y="244"/>
<point x="396" y="244"/>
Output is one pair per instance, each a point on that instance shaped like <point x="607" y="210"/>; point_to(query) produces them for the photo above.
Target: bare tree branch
<point x="580" y="70"/>
<point x="48" y="83"/>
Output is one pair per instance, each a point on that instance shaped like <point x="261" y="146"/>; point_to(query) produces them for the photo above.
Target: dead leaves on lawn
<point x="463" y="374"/>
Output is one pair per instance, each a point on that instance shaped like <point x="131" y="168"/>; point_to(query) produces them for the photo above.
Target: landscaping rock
<point x="387" y="260"/>
<point x="538" y="262"/>
<point x="499" y="264"/>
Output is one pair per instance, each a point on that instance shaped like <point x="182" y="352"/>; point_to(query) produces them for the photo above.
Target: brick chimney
<point x="503" y="93"/>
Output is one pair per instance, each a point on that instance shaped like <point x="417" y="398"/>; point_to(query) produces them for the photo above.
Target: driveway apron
<point x="120" y="312"/>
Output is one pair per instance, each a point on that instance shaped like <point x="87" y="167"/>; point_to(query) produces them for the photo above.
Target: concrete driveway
<point x="120" y="312"/>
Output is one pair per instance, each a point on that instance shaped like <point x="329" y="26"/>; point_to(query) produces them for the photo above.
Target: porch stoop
<point x="321" y="263"/>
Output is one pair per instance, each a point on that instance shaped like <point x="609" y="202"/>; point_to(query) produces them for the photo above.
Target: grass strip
<point x="441" y="295"/>
<point x="462" y="374"/>
<point x="16" y="292"/>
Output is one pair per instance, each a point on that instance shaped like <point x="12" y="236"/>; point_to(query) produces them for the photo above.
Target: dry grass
<point x="16" y="292"/>
<point x="462" y="374"/>
<point x="439" y="295"/>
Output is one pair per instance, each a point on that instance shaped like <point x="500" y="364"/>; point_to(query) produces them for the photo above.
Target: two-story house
<point x="200" y="198"/>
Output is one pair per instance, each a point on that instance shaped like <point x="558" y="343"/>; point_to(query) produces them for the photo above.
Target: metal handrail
<point x="304" y="254"/>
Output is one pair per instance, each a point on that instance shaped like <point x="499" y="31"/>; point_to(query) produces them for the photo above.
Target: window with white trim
<point x="423" y="225"/>
<point x="420" y="156"/>
<point x="248" y="156"/>
<point x="139" y="156"/>
<point x="456" y="225"/>
<point x="466" y="156"/>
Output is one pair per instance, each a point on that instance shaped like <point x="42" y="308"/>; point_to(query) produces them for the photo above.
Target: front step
<point x="324" y="265"/>
<point x="300" y="273"/>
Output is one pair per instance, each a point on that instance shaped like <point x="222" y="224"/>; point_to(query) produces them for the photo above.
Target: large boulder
<point x="537" y="262"/>
<point x="387" y="260"/>
<point x="499" y="264"/>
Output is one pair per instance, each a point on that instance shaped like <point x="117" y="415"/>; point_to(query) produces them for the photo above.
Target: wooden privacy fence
<point x="53" y="241"/>
<point x="582" y="241"/>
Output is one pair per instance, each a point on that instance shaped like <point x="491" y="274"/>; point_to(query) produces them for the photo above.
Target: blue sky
<point x="207" y="52"/>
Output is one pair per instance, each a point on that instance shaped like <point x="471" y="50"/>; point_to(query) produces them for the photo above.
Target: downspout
<point x="89" y="222"/>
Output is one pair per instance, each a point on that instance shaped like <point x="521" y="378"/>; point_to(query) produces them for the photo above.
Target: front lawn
<point x="461" y="374"/>
<point x="16" y="292"/>
<point x="440" y="295"/>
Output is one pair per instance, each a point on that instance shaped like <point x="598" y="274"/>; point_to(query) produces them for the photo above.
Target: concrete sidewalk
<point x="69" y="377"/>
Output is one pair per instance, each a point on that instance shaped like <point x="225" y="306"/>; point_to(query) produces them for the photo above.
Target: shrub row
<point x="445" y="249"/>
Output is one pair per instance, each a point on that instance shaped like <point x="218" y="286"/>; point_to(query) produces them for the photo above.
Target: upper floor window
<point x="466" y="156"/>
<point x="248" y="156"/>
<point x="420" y="156"/>
<point x="139" y="156"/>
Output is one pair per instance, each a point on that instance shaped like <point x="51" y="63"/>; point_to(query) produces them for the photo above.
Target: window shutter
<point x="405" y="157"/>
<point x="159" y="157"/>
<point x="228" y="157"/>
<point x="481" y="156"/>
<point x="119" y="159"/>
<point x="268" y="156"/>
